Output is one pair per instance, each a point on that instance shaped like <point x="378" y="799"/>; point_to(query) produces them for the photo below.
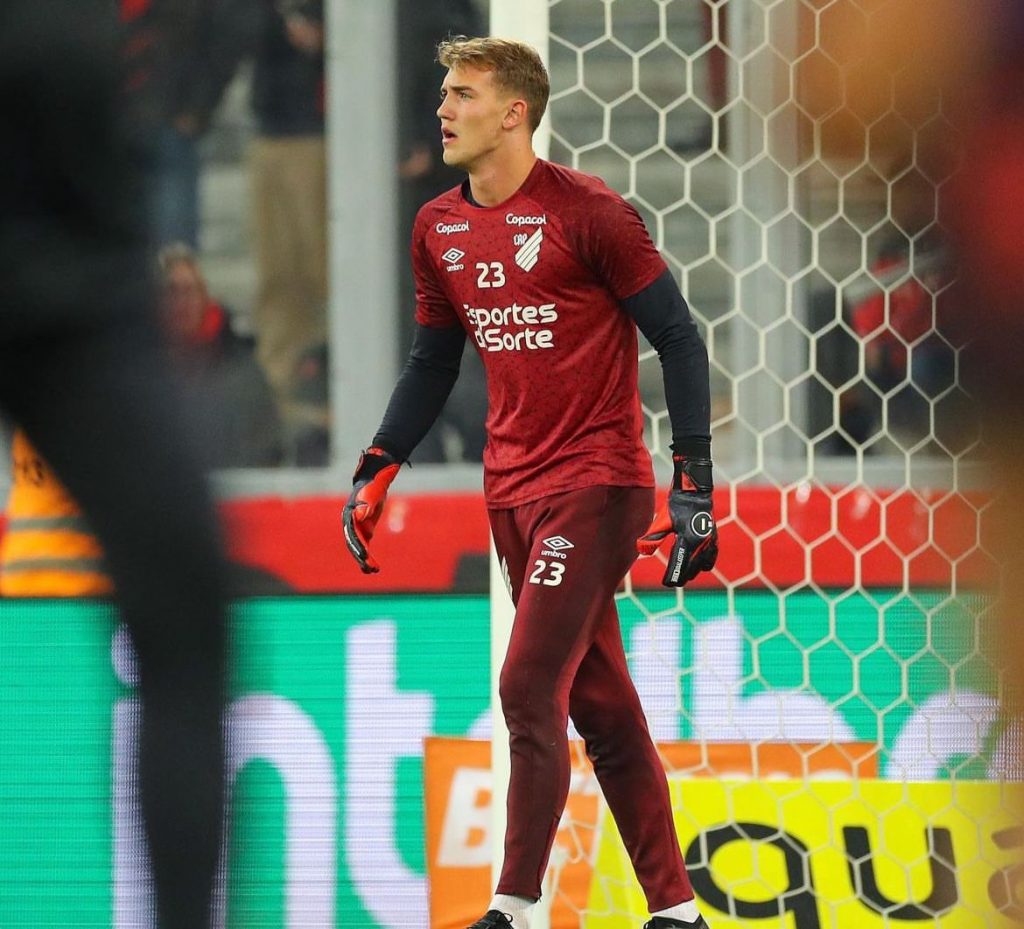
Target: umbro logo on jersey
<point x="556" y="546"/>
<point x="558" y="541"/>
<point x="454" y="256"/>
<point x="527" y="256"/>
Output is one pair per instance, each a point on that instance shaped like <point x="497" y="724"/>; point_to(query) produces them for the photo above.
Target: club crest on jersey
<point x="528" y="254"/>
<point x="454" y="258"/>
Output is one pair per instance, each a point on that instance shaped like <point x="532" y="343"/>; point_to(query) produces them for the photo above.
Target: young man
<point x="550" y="273"/>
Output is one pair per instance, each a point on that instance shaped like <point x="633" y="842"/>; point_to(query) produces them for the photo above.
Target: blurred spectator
<point x="907" y="360"/>
<point x="230" y="397"/>
<point x="181" y="55"/>
<point x="289" y="202"/>
<point x="904" y="330"/>
<point x="459" y="432"/>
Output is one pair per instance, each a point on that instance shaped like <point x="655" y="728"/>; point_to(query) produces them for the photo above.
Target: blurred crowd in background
<point x="183" y="58"/>
<point x="229" y="95"/>
<point x="228" y="101"/>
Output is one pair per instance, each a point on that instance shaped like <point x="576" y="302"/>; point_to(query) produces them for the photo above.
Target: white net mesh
<point x="832" y="677"/>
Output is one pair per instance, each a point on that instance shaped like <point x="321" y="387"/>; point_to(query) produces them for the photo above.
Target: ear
<point x="515" y="114"/>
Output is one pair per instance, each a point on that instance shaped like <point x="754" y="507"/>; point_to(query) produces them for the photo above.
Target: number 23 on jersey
<point x="491" y="274"/>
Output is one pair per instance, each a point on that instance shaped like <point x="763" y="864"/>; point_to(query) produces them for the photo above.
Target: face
<point x="184" y="299"/>
<point x="474" y="116"/>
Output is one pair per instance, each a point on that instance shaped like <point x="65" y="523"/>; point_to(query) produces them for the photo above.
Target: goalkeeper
<point x="550" y="273"/>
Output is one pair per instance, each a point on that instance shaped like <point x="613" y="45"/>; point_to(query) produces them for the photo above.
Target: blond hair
<point x="516" y="66"/>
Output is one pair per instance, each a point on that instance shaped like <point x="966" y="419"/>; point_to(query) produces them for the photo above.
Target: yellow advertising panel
<point x="458" y="807"/>
<point x="806" y="854"/>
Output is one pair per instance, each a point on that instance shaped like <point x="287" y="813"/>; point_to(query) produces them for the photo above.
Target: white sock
<point x="686" y="911"/>
<point x="513" y="907"/>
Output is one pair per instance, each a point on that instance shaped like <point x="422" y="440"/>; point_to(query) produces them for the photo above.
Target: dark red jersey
<point x="536" y="282"/>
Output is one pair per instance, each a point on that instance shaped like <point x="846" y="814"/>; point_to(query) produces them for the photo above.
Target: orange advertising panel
<point x="458" y="813"/>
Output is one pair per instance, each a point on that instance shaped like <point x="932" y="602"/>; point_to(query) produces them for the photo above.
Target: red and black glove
<point x="374" y="474"/>
<point x="689" y="514"/>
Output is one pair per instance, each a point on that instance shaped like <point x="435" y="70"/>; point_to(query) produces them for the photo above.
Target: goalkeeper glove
<point x="374" y="474"/>
<point x="688" y="514"/>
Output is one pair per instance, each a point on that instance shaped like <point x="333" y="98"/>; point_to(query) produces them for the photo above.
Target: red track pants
<point x="565" y="556"/>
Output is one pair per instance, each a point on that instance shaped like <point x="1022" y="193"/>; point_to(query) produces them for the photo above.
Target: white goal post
<point x="526" y="21"/>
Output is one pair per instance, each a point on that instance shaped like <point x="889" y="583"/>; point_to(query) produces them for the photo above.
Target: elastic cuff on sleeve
<point x="692" y="447"/>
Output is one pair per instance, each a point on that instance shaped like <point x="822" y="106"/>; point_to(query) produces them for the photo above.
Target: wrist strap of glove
<point x="371" y="462"/>
<point x="692" y="475"/>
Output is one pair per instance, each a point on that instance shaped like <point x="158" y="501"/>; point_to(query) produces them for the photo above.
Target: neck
<point x="497" y="180"/>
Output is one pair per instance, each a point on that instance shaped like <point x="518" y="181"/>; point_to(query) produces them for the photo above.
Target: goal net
<point x="825" y="702"/>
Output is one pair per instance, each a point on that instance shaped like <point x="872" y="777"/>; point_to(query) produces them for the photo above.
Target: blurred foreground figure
<point x="986" y="212"/>
<point x="967" y="58"/>
<point x="83" y="373"/>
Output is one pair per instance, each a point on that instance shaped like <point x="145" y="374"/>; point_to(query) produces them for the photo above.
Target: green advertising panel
<point x="331" y="701"/>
